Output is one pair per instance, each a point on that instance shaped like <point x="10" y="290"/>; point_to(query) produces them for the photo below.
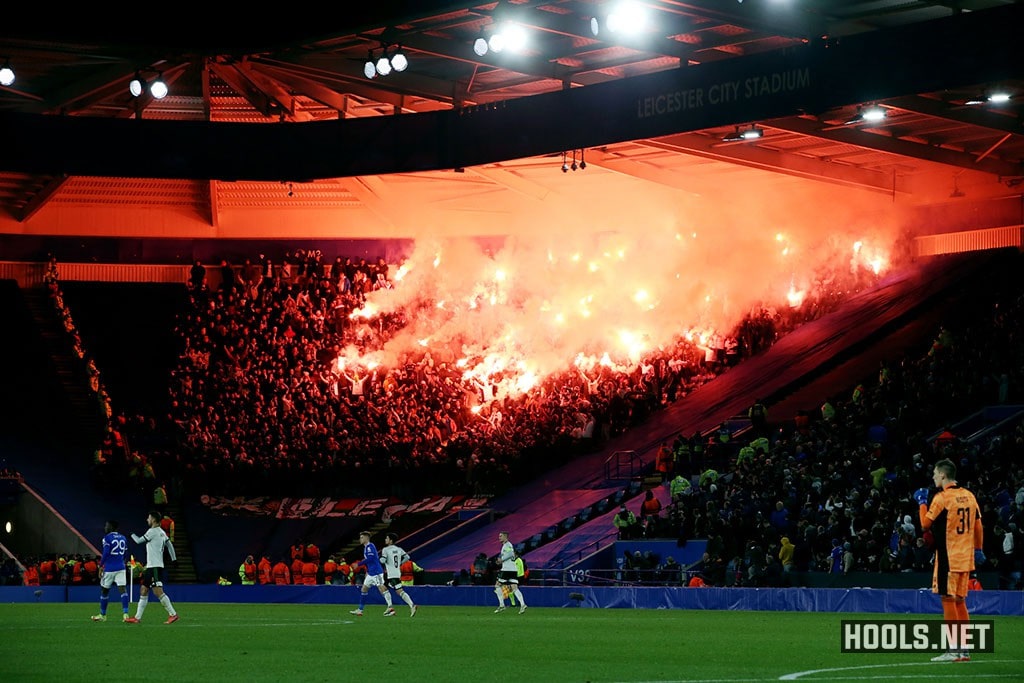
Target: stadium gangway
<point x="623" y="465"/>
<point x="988" y="421"/>
<point x="590" y="548"/>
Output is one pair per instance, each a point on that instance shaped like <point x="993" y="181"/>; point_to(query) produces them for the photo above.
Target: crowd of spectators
<point x="9" y="474"/>
<point x="259" y="404"/>
<point x="10" y="572"/>
<point x="51" y="278"/>
<point x="833" y="491"/>
<point x="115" y="464"/>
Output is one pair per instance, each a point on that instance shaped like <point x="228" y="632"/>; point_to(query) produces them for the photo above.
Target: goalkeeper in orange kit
<point x="954" y="520"/>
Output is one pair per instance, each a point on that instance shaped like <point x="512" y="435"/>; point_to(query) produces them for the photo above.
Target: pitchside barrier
<point x="852" y="600"/>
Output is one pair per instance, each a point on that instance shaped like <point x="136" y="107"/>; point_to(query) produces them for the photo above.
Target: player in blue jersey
<point x="374" y="574"/>
<point x="112" y="566"/>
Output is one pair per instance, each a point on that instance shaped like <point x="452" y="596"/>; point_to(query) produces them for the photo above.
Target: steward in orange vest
<point x="247" y="572"/>
<point x="344" y="572"/>
<point x="330" y="567"/>
<point x="91" y="570"/>
<point x="48" y="572"/>
<point x="76" y="571"/>
<point x="408" y="569"/>
<point x="263" y="569"/>
<point x="309" y="570"/>
<point x="282" y="575"/>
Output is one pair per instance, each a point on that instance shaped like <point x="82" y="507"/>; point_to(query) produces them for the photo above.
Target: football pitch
<point x="310" y="643"/>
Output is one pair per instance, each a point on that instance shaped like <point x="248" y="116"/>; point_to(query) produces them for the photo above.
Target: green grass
<point x="311" y="643"/>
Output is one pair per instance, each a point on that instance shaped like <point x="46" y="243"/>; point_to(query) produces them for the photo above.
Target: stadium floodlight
<point x="496" y="43"/>
<point x="370" y="67"/>
<point x="871" y="114"/>
<point x="508" y="36"/>
<point x="480" y="46"/>
<point x="515" y="37"/>
<point x="399" y="62"/>
<point x="136" y="85"/>
<point x="735" y="136"/>
<point x="384" y="65"/>
<point x="999" y="97"/>
<point x="753" y="133"/>
<point x="627" y="17"/>
<point x="158" y="88"/>
<point x="7" y="74"/>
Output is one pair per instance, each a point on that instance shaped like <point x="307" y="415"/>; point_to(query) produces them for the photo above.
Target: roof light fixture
<point x="508" y="36"/>
<point x="627" y="17"/>
<point x="752" y="133"/>
<point x="869" y="114"/>
<point x="136" y="85"/>
<point x="496" y="43"/>
<point x="999" y="97"/>
<point x="480" y="46"/>
<point x="6" y="74"/>
<point x="873" y="114"/>
<point x="736" y="136"/>
<point x="370" y="67"/>
<point x="574" y="166"/>
<point x="383" y="64"/>
<point x="399" y="62"/>
<point x="158" y="88"/>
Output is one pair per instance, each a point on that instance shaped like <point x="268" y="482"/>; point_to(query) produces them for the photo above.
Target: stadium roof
<point x="933" y="146"/>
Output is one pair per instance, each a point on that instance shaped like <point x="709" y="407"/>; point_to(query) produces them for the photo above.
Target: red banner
<point x="307" y="508"/>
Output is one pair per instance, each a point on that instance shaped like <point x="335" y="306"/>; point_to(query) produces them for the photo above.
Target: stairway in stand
<point x="184" y="570"/>
<point x="354" y="551"/>
<point x="85" y="422"/>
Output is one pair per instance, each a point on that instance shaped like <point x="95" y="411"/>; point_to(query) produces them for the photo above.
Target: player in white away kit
<point x="156" y="540"/>
<point x="392" y="558"/>
<point x="508" y="577"/>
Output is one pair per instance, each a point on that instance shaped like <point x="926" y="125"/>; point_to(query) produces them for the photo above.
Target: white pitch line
<point x="707" y="680"/>
<point x="904" y="677"/>
<point x="957" y="671"/>
<point x="800" y="674"/>
<point x="180" y="624"/>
